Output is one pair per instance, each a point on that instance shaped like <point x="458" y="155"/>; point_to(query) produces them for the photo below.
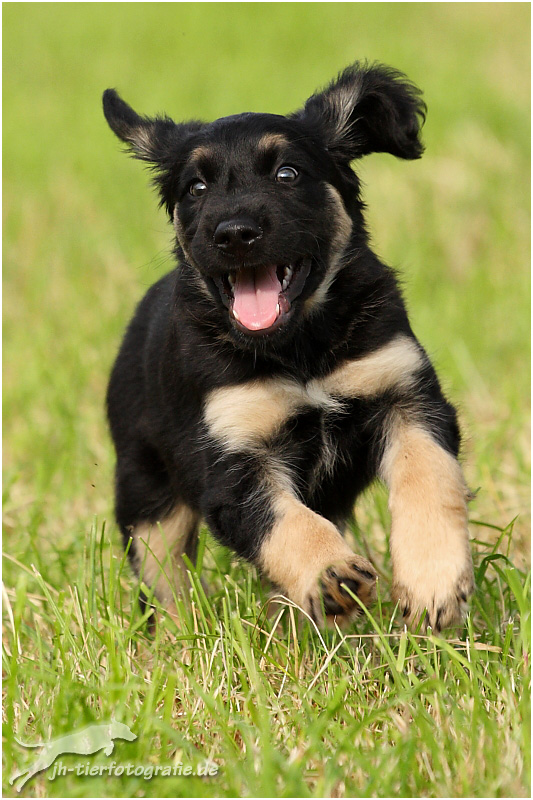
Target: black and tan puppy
<point x="268" y="379"/>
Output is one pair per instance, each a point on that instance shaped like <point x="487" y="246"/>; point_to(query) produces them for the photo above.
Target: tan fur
<point x="270" y="141"/>
<point x="180" y="235"/>
<point x="142" y="140"/>
<point x="432" y="566"/>
<point x="301" y="547"/>
<point x="249" y="414"/>
<point x="200" y="153"/>
<point x="391" y="367"/>
<point x="159" y="548"/>
<point x="342" y="225"/>
<point x="344" y="102"/>
<point x="178" y="227"/>
<point x="343" y="220"/>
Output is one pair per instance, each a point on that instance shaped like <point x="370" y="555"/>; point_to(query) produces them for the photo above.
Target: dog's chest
<point x="306" y="429"/>
<point x="322" y="429"/>
<point x="260" y="413"/>
<point x="249" y="415"/>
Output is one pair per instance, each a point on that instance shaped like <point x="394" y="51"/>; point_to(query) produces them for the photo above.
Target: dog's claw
<point x="338" y="587"/>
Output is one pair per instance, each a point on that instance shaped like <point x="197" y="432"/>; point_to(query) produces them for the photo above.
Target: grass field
<point x="281" y="709"/>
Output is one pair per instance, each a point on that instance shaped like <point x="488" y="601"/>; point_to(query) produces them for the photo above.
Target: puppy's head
<point x="265" y="206"/>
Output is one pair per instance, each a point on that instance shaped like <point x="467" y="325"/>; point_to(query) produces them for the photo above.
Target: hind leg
<point x="162" y="528"/>
<point x="157" y="551"/>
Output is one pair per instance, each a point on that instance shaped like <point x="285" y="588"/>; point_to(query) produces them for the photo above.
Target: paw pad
<point x="337" y="585"/>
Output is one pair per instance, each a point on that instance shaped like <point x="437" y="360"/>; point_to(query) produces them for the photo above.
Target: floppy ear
<point x="157" y="140"/>
<point x="148" y="139"/>
<point x="368" y="109"/>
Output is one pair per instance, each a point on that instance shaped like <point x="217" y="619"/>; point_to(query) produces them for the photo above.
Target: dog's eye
<point x="286" y="174"/>
<point x="197" y="188"/>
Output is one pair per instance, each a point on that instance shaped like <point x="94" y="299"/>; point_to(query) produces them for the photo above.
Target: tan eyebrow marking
<point x="270" y="140"/>
<point x="200" y="153"/>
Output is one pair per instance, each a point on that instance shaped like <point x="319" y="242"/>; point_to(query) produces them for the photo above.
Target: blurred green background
<point x="83" y="238"/>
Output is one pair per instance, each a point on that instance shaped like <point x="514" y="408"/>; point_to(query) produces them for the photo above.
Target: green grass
<point x="282" y="709"/>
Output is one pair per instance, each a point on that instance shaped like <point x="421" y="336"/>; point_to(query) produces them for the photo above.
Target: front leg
<point x="251" y="507"/>
<point x="430" y="550"/>
<point x="307" y="557"/>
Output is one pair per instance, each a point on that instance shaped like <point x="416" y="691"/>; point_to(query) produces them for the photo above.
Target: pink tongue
<point x="256" y="297"/>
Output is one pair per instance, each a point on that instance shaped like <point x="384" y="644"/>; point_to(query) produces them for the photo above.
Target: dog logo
<point x="84" y="742"/>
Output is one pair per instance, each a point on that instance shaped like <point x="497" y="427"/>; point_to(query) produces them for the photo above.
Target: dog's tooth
<point x="278" y="310"/>
<point x="287" y="276"/>
<point x="236" y="316"/>
<point x="231" y="279"/>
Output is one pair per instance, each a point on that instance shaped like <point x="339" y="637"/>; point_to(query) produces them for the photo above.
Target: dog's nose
<point x="237" y="236"/>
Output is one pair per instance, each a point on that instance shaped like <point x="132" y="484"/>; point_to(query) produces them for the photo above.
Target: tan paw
<point x="438" y="609"/>
<point x="353" y="573"/>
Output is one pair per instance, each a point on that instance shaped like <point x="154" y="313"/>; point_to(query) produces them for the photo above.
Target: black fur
<point x="182" y="342"/>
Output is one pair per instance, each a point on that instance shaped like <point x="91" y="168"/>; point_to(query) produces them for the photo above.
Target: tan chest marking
<point x="393" y="366"/>
<point x="248" y="415"/>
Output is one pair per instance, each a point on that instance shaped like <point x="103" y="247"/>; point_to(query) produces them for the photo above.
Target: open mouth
<point x="259" y="299"/>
